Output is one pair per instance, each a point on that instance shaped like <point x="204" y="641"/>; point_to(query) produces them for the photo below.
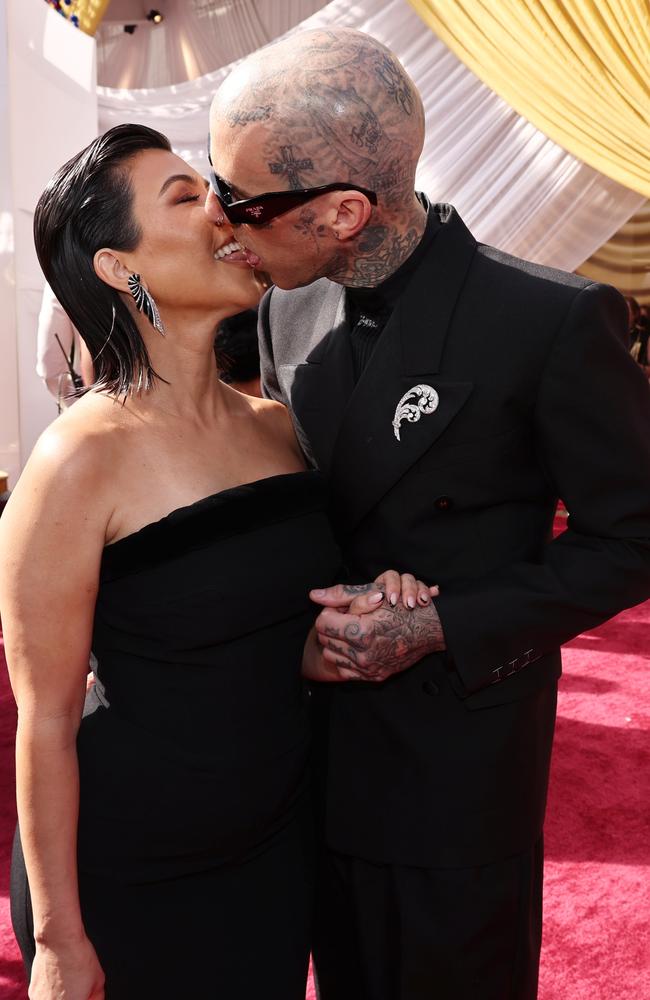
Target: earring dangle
<point x="145" y="302"/>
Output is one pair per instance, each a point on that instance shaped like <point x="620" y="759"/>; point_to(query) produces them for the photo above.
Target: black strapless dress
<point x="195" y="832"/>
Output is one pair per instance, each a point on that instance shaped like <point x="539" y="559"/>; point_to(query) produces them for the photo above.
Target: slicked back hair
<point x="87" y="205"/>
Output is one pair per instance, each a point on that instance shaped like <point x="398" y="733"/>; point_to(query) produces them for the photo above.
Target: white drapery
<point x="514" y="187"/>
<point x="194" y="38"/>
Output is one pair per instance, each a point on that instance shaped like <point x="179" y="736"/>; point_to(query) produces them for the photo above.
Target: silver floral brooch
<point x="425" y="401"/>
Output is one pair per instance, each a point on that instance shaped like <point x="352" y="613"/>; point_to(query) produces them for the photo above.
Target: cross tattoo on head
<point x="290" y="167"/>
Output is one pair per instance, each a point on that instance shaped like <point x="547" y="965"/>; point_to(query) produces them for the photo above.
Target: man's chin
<point x="287" y="284"/>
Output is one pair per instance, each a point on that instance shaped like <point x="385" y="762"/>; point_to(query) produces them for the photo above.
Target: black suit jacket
<point x="447" y="763"/>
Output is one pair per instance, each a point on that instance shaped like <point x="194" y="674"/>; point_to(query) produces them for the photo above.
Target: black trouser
<point x="386" y="932"/>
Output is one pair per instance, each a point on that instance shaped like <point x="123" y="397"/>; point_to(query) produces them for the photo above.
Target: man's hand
<point x="376" y="645"/>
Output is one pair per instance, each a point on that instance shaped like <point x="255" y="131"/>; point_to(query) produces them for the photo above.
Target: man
<point x="451" y="393"/>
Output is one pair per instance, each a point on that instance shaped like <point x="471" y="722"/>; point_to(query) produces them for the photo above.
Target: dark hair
<point x="238" y="356"/>
<point x="88" y="205"/>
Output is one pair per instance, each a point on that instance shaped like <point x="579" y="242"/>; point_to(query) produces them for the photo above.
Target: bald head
<point x="330" y="107"/>
<point x="325" y="106"/>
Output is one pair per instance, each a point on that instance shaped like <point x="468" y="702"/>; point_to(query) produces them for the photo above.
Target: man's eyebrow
<point x="176" y="177"/>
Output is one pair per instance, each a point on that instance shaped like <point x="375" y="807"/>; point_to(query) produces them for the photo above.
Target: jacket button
<point x="443" y="503"/>
<point x="431" y="688"/>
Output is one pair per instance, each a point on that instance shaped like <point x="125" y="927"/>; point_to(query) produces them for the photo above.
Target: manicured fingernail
<point x="393" y="599"/>
<point x="410" y="601"/>
<point x="424" y="597"/>
<point x="319" y="593"/>
<point x="376" y="598"/>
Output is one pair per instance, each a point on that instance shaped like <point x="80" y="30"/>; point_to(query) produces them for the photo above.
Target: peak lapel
<point x="368" y="458"/>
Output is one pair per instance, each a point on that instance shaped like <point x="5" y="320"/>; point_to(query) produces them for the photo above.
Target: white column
<point x="9" y="421"/>
<point x="48" y="111"/>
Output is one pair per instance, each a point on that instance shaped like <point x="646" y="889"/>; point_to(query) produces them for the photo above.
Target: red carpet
<point x="11" y="970"/>
<point x="597" y="897"/>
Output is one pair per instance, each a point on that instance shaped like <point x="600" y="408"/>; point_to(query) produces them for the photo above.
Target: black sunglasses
<point x="264" y="207"/>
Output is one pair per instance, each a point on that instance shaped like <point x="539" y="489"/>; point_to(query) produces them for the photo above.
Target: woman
<point x="166" y="835"/>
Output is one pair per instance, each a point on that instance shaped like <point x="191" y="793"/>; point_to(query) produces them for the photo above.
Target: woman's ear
<point x="352" y="216"/>
<point x="110" y="269"/>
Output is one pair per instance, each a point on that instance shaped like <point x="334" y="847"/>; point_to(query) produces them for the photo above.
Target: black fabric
<point x="22" y="918"/>
<point x="194" y="825"/>
<point x="537" y="399"/>
<point x="384" y="932"/>
<point x="231" y="931"/>
<point x="370" y="308"/>
<point x="364" y="335"/>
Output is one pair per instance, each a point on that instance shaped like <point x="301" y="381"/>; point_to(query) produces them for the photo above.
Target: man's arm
<point x="593" y="434"/>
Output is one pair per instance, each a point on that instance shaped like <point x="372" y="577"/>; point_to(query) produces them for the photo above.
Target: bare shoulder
<point x="67" y="477"/>
<point x="277" y="418"/>
<point x="274" y="426"/>
<point x="82" y="439"/>
<point x="268" y="409"/>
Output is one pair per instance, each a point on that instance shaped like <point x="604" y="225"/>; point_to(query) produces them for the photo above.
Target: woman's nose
<point x="213" y="209"/>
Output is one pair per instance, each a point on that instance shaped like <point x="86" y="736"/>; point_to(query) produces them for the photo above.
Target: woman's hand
<point x="360" y="599"/>
<point x="71" y="972"/>
<point x="404" y="585"/>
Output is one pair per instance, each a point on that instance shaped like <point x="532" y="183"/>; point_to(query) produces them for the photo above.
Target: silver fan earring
<point x="145" y="302"/>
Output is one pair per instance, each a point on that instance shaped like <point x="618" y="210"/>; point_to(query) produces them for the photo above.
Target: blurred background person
<point x="62" y="359"/>
<point x="639" y="330"/>
<point x="238" y="356"/>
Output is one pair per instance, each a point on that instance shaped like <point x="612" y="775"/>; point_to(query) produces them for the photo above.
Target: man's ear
<point x="352" y="215"/>
<point x="111" y="270"/>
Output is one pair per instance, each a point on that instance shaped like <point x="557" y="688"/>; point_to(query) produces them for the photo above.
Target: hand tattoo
<point x="383" y="642"/>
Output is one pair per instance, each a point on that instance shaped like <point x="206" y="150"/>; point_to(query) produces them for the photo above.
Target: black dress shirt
<point x="370" y="308"/>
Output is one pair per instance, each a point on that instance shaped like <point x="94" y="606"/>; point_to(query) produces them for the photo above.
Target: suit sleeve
<point x="592" y="427"/>
<point x="268" y="377"/>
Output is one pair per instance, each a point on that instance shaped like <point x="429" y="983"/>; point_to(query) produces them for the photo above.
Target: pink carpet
<point x="597" y="891"/>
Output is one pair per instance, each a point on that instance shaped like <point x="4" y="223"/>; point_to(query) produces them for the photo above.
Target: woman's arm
<point x="51" y="538"/>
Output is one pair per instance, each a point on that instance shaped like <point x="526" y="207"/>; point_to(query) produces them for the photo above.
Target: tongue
<point x="235" y="255"/>
<point x="245" y="256"/>
<point x="252" y="258"/>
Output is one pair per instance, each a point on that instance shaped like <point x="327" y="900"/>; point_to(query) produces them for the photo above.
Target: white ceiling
<point x="195" y="38"/>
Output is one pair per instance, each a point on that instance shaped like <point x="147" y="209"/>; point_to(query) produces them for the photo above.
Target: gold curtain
<point x="89" y="13"/>
<point x="624" y="261"/>
<point x="579" y="70"/>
